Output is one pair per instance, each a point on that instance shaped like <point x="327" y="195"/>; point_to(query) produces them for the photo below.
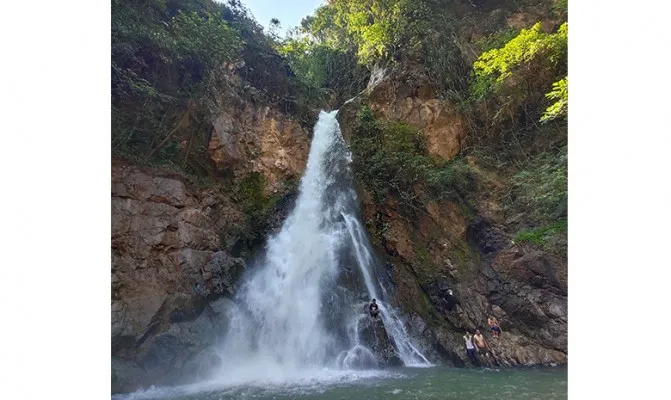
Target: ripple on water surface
<point x="402" y="383"/>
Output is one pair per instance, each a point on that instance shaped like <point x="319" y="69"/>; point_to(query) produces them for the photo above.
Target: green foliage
<point x="332" y="46"/>
<point x="167" y="57"/>
<point x="206" y="39"/>
<point x="498" y="39"/>
<point x="493" y="67"/>
<point x="371" y="24"/>
<point x="541" y="189"/>
<point x="256" y="205"/>
<point x="445" y="66"/>
<point x="163" y="56"/>
<point x="321" y="66"/>
<point x="373" y="29"/>
<point x="391" y="157"/>
<point x="388" y="155"/>
<point x="560" y="8"/>
<point x="541" y="236"/>
<point x="455" y="177"/>
<point x="559" y="94"/>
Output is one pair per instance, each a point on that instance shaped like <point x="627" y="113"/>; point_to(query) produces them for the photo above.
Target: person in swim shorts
<point x="494" y="326"/>
<point x="481" y="344"/>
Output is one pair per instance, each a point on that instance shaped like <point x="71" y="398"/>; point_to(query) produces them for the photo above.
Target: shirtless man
<point x="481" y="344"/>
<point x="470" y="348"/>
<point x="494" y="326"/>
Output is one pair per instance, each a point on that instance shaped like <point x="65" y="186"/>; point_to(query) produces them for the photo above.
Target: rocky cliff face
<point x="454" y="261"/>
<point x="248" y="135"/>
<point x="179" y="246"/>
<point x="410" y="98"/>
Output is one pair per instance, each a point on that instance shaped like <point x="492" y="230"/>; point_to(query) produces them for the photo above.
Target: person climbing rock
<point x="470" y="347"/>
<point x="483" y="346"/>
<point x="494" y="326"/>
<point x="374" y="311"/>
<point x="450" y="300"/>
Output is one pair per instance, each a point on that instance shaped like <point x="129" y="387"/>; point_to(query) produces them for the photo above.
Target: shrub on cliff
<point x="322" y="67"/>
<point x="540" y="189"/>
<point x="249" y="192"/>
<point x="164" y="54"/>
<point x="519" y="74"/>
<point x="334" y="47"/>
<point x="388" y="155"/>
<point x="391" y="157"/>
<point x="559" y="94"/>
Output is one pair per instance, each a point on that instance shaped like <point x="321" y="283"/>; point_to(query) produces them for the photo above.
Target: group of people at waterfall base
<point x="480" y="347"/>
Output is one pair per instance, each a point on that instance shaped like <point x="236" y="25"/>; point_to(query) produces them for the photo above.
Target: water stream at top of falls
<point x="292" y="311"/>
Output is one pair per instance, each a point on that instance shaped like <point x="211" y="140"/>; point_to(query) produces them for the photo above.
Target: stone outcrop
<point x="165" y="240"/>
<point x="184" y="352"/>
<point x="407" y="97"/>
<point x="249" y="135"/>
<point x="258" y="138"/>
<point x="167" y="264"/>
<point x="373" y="335"/>
<point x="416" y="103"/>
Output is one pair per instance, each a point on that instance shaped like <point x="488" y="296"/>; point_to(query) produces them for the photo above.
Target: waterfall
<point x="293" y="310"/>
<point x="408" y="353"/>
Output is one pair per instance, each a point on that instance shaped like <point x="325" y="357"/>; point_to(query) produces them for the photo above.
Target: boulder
<point x="373" y="335"/>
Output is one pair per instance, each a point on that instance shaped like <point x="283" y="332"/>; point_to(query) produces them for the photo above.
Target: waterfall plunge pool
<point x="397" y="383"/>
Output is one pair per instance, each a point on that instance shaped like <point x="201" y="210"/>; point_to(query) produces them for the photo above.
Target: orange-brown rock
<point x="416" y="103"/>
<point x="163" y="235"/>
<point x="252" y="136"/>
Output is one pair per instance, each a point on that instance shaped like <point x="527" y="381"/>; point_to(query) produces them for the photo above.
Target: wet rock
<point x="185" y="351"/>
<point x="417" y="324"/>
<point x="512" y="349"/>
<point x="127" y="376"/>
<point x="373" y="335"/>
<point x="221" y="273"/>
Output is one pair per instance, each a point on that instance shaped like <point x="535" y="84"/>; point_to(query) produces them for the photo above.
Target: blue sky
<point x="289" y="12"/>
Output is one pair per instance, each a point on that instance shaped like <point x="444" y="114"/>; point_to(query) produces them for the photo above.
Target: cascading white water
<point x="291" y="310"/>
<point x="408" y="353"/>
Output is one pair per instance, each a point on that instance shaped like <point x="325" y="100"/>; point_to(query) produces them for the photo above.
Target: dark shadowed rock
<point x="373" y="335"/>
<point x="127" y="376"/>
<point x="441" y="294"/>
<point x="175" y="349"/>
<point x="487" y="237"/>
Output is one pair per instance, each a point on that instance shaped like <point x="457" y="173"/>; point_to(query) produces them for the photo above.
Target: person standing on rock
<point x="494" y="326"/>
<point x="374" y="311"/>
<point x="470" y="347"/>
<point x="483" y="346"/>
